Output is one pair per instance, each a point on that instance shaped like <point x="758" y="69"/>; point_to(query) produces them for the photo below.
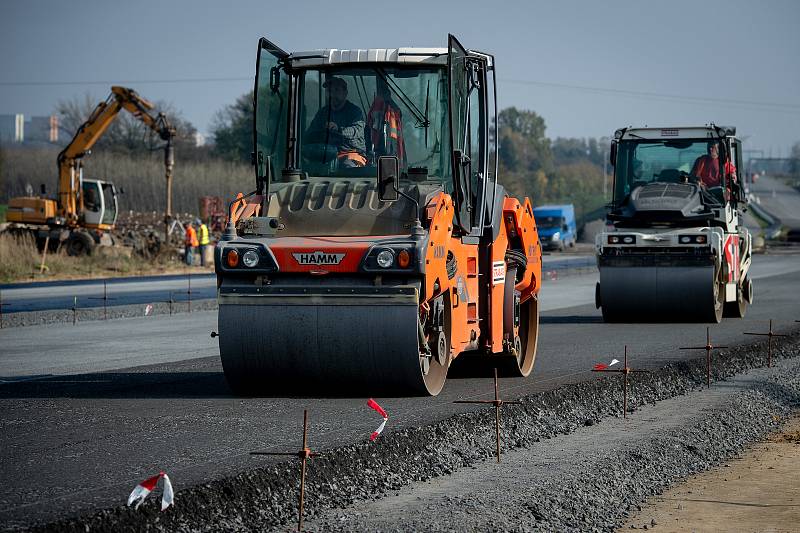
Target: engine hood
<point x="663" y="203"/>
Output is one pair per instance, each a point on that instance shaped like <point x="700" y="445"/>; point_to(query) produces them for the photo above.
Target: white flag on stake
<point x="148" y="309"/>
<point x="143" y="489"/>
<point x="377" y="408"/>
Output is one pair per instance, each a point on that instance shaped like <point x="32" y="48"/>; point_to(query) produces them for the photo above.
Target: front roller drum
<point x="268" y="349"/>
<point x="659" y="294"/>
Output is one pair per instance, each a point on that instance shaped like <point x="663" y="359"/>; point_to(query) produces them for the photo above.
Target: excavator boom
<point x="70" y="195"/>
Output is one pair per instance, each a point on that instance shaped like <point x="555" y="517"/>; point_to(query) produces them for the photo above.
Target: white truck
<point x="675" y="248"/>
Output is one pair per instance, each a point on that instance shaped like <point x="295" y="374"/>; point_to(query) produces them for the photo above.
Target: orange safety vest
<point x="191" y="237"/>
<point x="386" y="128"/>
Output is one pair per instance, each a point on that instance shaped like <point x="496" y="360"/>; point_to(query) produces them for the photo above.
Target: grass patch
<point x="3" y="209"/>
<point x="20" y="261"/>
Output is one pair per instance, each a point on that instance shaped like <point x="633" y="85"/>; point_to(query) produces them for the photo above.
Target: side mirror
<point x="388" y="178"/>
<point x="612" y="155"/>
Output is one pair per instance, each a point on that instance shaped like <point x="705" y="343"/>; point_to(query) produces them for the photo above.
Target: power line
<point x="116" y="82"/>
<point x="672" y="97"/>
<point x="597" y="90"/>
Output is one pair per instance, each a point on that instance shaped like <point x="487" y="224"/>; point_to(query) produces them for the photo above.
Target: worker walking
<point x="202" y="234"/>
<point x="191" y="243"/>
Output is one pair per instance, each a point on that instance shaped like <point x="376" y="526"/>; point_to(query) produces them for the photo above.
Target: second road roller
<point x="378" y="244"/>
<point x="676" y="248"/>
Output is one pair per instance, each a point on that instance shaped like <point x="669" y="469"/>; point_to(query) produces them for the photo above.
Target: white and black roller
<point x="660" y="293"/>
<point x="301" y="344"/>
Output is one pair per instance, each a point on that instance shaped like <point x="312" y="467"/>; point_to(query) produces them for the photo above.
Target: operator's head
<point x="713" y="150"/>
<point x="337" y="92"/>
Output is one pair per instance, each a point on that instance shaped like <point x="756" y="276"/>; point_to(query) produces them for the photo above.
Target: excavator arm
<point x="70" y="196"/>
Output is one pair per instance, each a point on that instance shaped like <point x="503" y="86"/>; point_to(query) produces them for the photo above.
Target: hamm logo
<point x="318" y="258"/>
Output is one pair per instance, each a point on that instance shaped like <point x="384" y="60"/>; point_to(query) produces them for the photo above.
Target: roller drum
<point x="658" y="293"/>
<point x="314" y="348"/>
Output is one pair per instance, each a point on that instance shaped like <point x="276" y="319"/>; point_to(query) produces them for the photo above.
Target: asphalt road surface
<point x="88" y="411"/>
<point x="778" y="199"/>
<point x="48" y="295"/>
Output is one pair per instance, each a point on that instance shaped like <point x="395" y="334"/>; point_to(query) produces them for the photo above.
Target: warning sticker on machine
<point x="498" y="272"/>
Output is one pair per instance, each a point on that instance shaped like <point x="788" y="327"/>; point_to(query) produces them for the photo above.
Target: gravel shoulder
<point x="757" y="491"/>
<point x="588" y="480"/>
<point x="594" y="466"/>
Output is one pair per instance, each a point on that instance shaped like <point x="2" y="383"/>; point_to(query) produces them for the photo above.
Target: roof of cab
<point x="709" y="131"/>
<point x="333" y="56"/>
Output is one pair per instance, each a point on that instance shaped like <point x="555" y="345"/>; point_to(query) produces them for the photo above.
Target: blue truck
<point x="556" y="224"/>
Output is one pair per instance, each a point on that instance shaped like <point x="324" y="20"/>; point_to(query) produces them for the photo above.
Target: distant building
<point x="12" y="128"/>
<point x="15" y="129"/>
<point x="199" y="139"/>
<point x="42" y="129"/>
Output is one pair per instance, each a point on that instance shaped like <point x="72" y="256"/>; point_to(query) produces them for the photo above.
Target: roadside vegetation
<point x="20" y="261"/>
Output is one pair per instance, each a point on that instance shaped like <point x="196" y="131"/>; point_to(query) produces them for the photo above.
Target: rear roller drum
<point x="521" y="329"/>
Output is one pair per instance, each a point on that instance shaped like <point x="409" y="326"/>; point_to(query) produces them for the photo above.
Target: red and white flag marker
<point x="143" y="489"/>
<point x="377" y="408"/>
<point x="603" y="366"/>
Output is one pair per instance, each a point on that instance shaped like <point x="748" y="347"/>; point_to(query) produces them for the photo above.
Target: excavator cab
<point x="99" y="204"/>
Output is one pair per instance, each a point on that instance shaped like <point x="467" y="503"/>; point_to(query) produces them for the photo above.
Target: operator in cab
<point x="337" y="129"/>
<point x="707" y="167"/>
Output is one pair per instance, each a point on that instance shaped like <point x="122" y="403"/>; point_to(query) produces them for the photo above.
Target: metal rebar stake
<point x="708" y="347"/>
<point x="189" y="292"/>
<point x="304" y="455"/>
<point x="74" y="310"/>
<point x="105" y="299"/>
<point x="625" y="370"/>
<point x="497" y="402"/>
<point x="769" y="334"/>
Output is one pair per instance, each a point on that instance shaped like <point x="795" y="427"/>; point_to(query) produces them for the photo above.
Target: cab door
<point x="271" y="110"/>
<point x="468" y="136"/>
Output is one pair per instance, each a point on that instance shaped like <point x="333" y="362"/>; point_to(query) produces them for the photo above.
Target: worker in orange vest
<point x="191" y="243"/>
<point x="385" y="121"/>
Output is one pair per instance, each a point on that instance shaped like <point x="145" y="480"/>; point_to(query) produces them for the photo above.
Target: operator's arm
<point x="352" y="132"/>
<point x="316" y="132"/>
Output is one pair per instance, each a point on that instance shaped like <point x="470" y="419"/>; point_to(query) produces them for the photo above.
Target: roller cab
<point x="674" y="249"/>
<point x="378" y="245"/>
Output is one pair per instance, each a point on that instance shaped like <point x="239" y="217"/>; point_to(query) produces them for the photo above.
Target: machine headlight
<point x="250" y="258"/>
<point x="556" y="236"/>
<point x="385" y="258"/>
<point x="700" y="239"/>
<point x="685" y="239"/>
<point x="628" y="239"/>
<point x="613" y="239"/>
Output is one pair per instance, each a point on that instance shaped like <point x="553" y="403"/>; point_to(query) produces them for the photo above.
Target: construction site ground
<point x="758" y="491"/>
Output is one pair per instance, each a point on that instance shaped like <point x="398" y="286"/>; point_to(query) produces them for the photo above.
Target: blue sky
<point x="588" y="67"/>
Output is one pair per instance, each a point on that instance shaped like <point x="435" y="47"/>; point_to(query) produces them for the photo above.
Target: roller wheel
<point x="738" y="308"/>
<point x="715" y="313"/>
<point x="518" y="359"/>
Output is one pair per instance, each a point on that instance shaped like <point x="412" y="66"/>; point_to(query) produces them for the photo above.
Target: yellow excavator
<point x="86" y="209"/>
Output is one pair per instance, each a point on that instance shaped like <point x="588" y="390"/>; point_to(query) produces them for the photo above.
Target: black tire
<point x="519" y="364"/>
<point x="715" y="313"/>
<point x="80" y="243"/>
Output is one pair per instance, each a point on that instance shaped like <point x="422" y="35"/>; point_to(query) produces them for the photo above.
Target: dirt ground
<point x="759" y="491"/>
